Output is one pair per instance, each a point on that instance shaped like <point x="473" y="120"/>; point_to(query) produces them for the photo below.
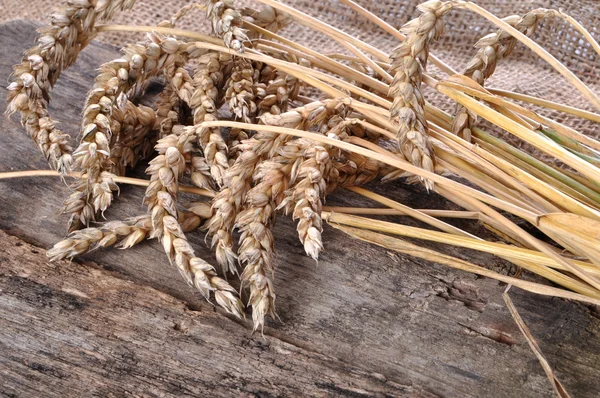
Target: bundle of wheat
<point x="262" y="125"/>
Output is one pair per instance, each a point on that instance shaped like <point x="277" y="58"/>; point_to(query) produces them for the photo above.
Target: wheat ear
<point x="491" y="49"/>
<point x="208" y="77"/>
<point x="312" y="167"/>
<point x="240" y="91"/>
<point x="279" y="87"/>
<point x="125" y="234"/>
<point x="169" y="110"/>
<point x="58" y="45"/>
<point x="226" y="23"/>
<point x="256" y="243"/>
<point x="409" y="61"/>
<point x="274" y="88"/>
<point x="161" y="197"/>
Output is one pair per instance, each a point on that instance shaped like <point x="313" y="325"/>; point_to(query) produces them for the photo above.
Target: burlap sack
<point x="523" y="72"/>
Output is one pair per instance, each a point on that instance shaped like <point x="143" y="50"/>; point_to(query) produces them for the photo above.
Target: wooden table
<point x="362" y="323"/>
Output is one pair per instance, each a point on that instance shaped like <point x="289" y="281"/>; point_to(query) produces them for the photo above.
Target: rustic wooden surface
<point x="363" y="323"/>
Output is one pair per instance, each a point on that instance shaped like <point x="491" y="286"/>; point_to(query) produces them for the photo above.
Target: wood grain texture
<point x="361" y="323"/>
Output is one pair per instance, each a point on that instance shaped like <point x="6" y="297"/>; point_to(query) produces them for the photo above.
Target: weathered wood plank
<point x="362" y="319"/>
<point x="70" y="326"/>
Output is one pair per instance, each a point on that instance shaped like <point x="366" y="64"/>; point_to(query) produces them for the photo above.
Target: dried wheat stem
<point x="390" y="159"/>
<point x="409" y="61"/>
<point x="394" y="32"/>
<point x="536" y="48"/>
<point x="121" y="180"/>
<point x="328" y="63"/>
<point x="314" y="23"/>
<point x="59" y="44"/>
<point x="595" y="117"/>
<point x="491" y="49"/>
<point x="165" y="171"/>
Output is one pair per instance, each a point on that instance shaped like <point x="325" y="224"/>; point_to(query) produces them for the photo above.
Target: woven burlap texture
<point x="523" y="72"/>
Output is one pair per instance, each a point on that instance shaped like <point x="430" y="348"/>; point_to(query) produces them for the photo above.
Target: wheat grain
<point x="226" y="23"/>
<point x="267" y="18"/>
